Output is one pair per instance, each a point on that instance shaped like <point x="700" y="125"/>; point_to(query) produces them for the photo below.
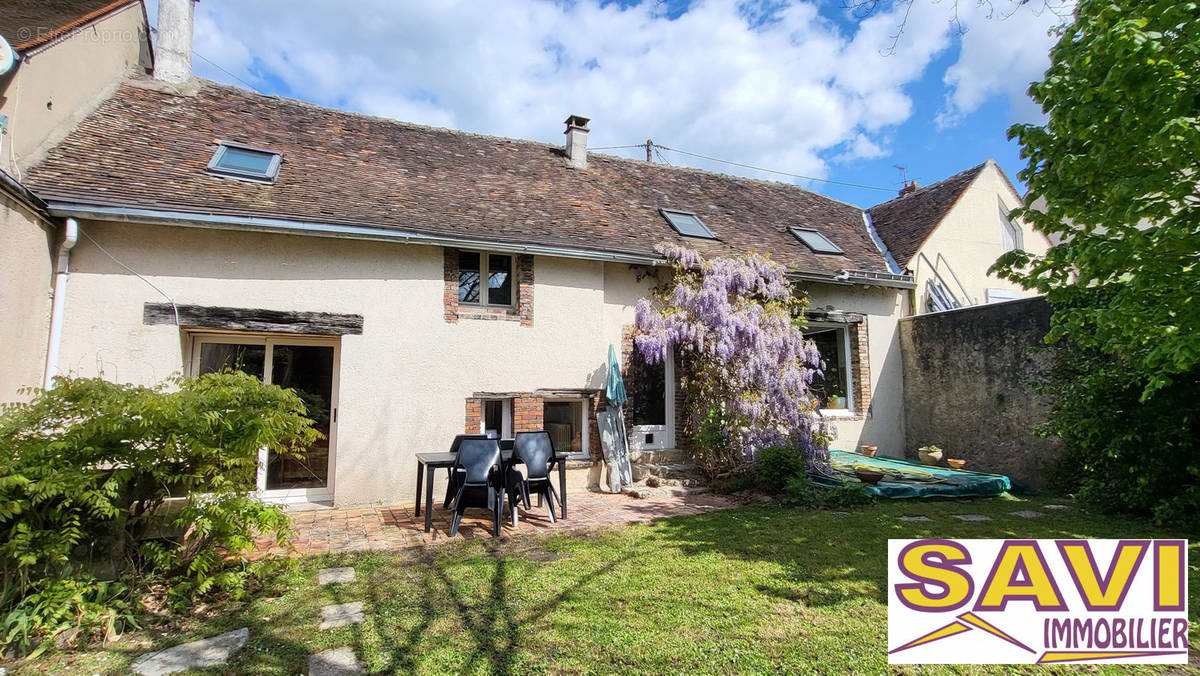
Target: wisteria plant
<point x="747" y="369"/>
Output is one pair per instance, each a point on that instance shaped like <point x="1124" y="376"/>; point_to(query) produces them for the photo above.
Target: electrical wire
<point x="776" y="171"/>
<point x="134" y="273"/>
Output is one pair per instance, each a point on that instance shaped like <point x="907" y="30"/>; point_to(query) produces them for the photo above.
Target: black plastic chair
<point x="454" y="445"/>
<point x="479" y="481"/>
<point x="536" y="451"/>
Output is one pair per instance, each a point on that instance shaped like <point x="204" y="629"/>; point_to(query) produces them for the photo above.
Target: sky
<point x="811" y="89"/>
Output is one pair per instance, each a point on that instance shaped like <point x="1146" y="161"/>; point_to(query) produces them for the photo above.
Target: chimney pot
<point x="909" y="187"/>
<point x="576" y="145"/>
<point x="173" y="49"/>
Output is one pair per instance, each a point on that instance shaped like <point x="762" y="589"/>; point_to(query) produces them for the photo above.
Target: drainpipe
<point x="62" y="271"/>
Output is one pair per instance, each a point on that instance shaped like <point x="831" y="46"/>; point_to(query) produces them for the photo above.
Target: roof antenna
<point x="903" y="174"/>
<point x="649" y="148"/>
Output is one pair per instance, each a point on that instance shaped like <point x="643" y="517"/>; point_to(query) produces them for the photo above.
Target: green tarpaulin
<point x="906" y="479"/>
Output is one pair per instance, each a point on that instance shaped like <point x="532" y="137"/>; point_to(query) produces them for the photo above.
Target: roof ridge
<point x="925" y="189"/>
<point x="248" y="93"/>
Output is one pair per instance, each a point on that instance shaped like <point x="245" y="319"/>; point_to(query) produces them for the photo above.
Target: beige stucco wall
<point x="883" y="423"/>
<point x="26" y="279"/>
<point x="970" y="239"/>
<point x="58" y="84"/>
<point x="404" y="381"/>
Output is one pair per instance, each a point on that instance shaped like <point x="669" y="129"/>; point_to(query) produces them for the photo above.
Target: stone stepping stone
<point x="1027" y="514"/>
<point x="335" y="576"/>
<point x="972" y="517"/>
<point x="341" y="615"/>
<point x="206" y="653"/>
<point x="915" y="518"/>
<point x="335" y="662"/>
<point x="1055" y="507"/>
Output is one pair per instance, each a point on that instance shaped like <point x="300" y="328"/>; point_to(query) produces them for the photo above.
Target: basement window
<point x="687" y="224"/>
<point x="816" y="241"/>
<point x="240" y="161"/>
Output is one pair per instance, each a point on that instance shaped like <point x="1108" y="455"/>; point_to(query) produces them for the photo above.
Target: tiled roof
<point x="29" y="23"/>
<point x="146" y="147"/>
<point x="906" y="222"/>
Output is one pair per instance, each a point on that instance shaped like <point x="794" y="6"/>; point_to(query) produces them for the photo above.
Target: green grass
<point x="754" y="589"/>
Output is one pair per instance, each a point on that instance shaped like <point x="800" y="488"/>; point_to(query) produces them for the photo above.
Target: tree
<point x="747" y="366"/>
<point x="1117" y="167"/>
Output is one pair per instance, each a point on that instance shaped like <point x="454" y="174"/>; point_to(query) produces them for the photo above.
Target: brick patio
<point x="318" y="531"/>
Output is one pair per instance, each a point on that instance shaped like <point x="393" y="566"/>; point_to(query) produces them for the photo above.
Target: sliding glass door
<point x="306" y="365"/>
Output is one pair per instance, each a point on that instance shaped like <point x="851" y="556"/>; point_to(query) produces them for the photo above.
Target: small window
<point x="687" y="224"/>
<point x="473" y="267"/>
<point x="832" y="388"/>
<point x="816" y="241"/>
<point x="245" y="162"/>
<point x="497" y="418"/>
<point x="1010" y="235"/>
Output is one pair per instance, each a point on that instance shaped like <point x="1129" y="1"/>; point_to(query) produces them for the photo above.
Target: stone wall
<point x="967" y="386"/>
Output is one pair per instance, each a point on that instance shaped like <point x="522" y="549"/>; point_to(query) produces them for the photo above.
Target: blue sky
<point x="799" y="87"/>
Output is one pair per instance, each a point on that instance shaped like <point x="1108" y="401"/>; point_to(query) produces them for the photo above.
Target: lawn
<point x="751" y="589"/>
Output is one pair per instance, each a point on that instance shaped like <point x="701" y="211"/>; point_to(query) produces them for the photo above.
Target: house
<point x="414" y="282"/>
<point x="70" y="55"/>
<point x="946" y="235"/>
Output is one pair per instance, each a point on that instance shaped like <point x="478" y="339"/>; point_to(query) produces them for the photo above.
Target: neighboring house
<point x="948" y="234"/>
<point x="71" y="54"/>
<point x="413" y="282"/>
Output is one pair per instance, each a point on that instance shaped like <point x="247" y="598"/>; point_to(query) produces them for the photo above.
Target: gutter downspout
<point x="59" y="305"/>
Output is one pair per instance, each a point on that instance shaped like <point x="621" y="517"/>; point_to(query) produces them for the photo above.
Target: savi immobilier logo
<point x="1037" y="601"/>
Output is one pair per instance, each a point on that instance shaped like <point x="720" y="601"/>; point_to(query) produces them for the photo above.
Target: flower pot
<point x="868" y="476"/>
<point x="868" y="451"/>
<point x="930" y="457"/>
<point x="956" y="463"/>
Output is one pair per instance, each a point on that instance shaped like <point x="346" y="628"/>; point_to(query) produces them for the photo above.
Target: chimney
<point x="173" y="51"/>
<point x="909" y="187"/>
<point x="577" y="131"/>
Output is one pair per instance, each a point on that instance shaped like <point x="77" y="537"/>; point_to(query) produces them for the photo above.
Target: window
<point x="687" y="224"/>
<point x="566" y="422"/>
<point x="816" y="241"/>
<point x="1010" y="233"/>
<point x="245" y="162"/>
<point x="1001" y="295"/>
<point x="497" y="418"/>
<point x="832" y="388"/>
<point x="495" y="268"/>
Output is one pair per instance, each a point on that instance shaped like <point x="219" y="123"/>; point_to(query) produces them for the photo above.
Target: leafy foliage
<point x="1117" y="166"/>
<point x="747" y="368"/>
<point x="1122" y="454"/>
<point x="104" y="479"/>
<point x="777" y="465"/>
<point x="800" y="491"/>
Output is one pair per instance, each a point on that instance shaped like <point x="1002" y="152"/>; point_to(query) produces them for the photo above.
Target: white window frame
<point x="584" y="432"/>
<point x="506" y="417"/>
<point x="845" y="364"/>
<point x="1001" y="295"/>
<point x="1011" y="235"/>
<point x="286" y="495"/>
<point x="485" y="265"/>
<point x="664" y="435"/>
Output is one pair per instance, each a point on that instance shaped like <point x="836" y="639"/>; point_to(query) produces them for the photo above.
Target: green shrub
<point x="1122" y="454"/>
<point x="800" y="491"/>
<point x="776" y="465"/>
<point x="111" y="481"/>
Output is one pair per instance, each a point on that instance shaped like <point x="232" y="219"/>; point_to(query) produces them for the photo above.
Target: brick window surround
<point x="528" y="411"/>
<point x="522" y="308"/>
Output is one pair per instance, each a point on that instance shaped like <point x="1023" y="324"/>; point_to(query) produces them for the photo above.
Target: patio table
<point x="431" y="462"/>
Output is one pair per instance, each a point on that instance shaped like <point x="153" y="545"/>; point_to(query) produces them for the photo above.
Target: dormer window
<point x="239" y="161"/>
<point x="816" y="241"/>
<point x="687" y="224"/>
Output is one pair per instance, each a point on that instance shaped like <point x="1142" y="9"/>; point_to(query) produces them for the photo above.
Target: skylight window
<point x="241" y="161"/>
<point x="816" y="241"/>
<point x="687" y="224"/>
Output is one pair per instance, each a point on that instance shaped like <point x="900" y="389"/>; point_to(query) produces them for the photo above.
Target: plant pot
<point x="956" y="463"/>
<point x="930" y="457"/>
<point x="868" y="451"/>
<point x="868" y="476"/>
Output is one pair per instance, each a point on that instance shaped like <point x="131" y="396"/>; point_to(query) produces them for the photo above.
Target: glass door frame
<point x="269" y="341"/>
<point x="664" y="435"/>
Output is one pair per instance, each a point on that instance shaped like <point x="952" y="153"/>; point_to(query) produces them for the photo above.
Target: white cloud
<point x="795" y="92"/>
